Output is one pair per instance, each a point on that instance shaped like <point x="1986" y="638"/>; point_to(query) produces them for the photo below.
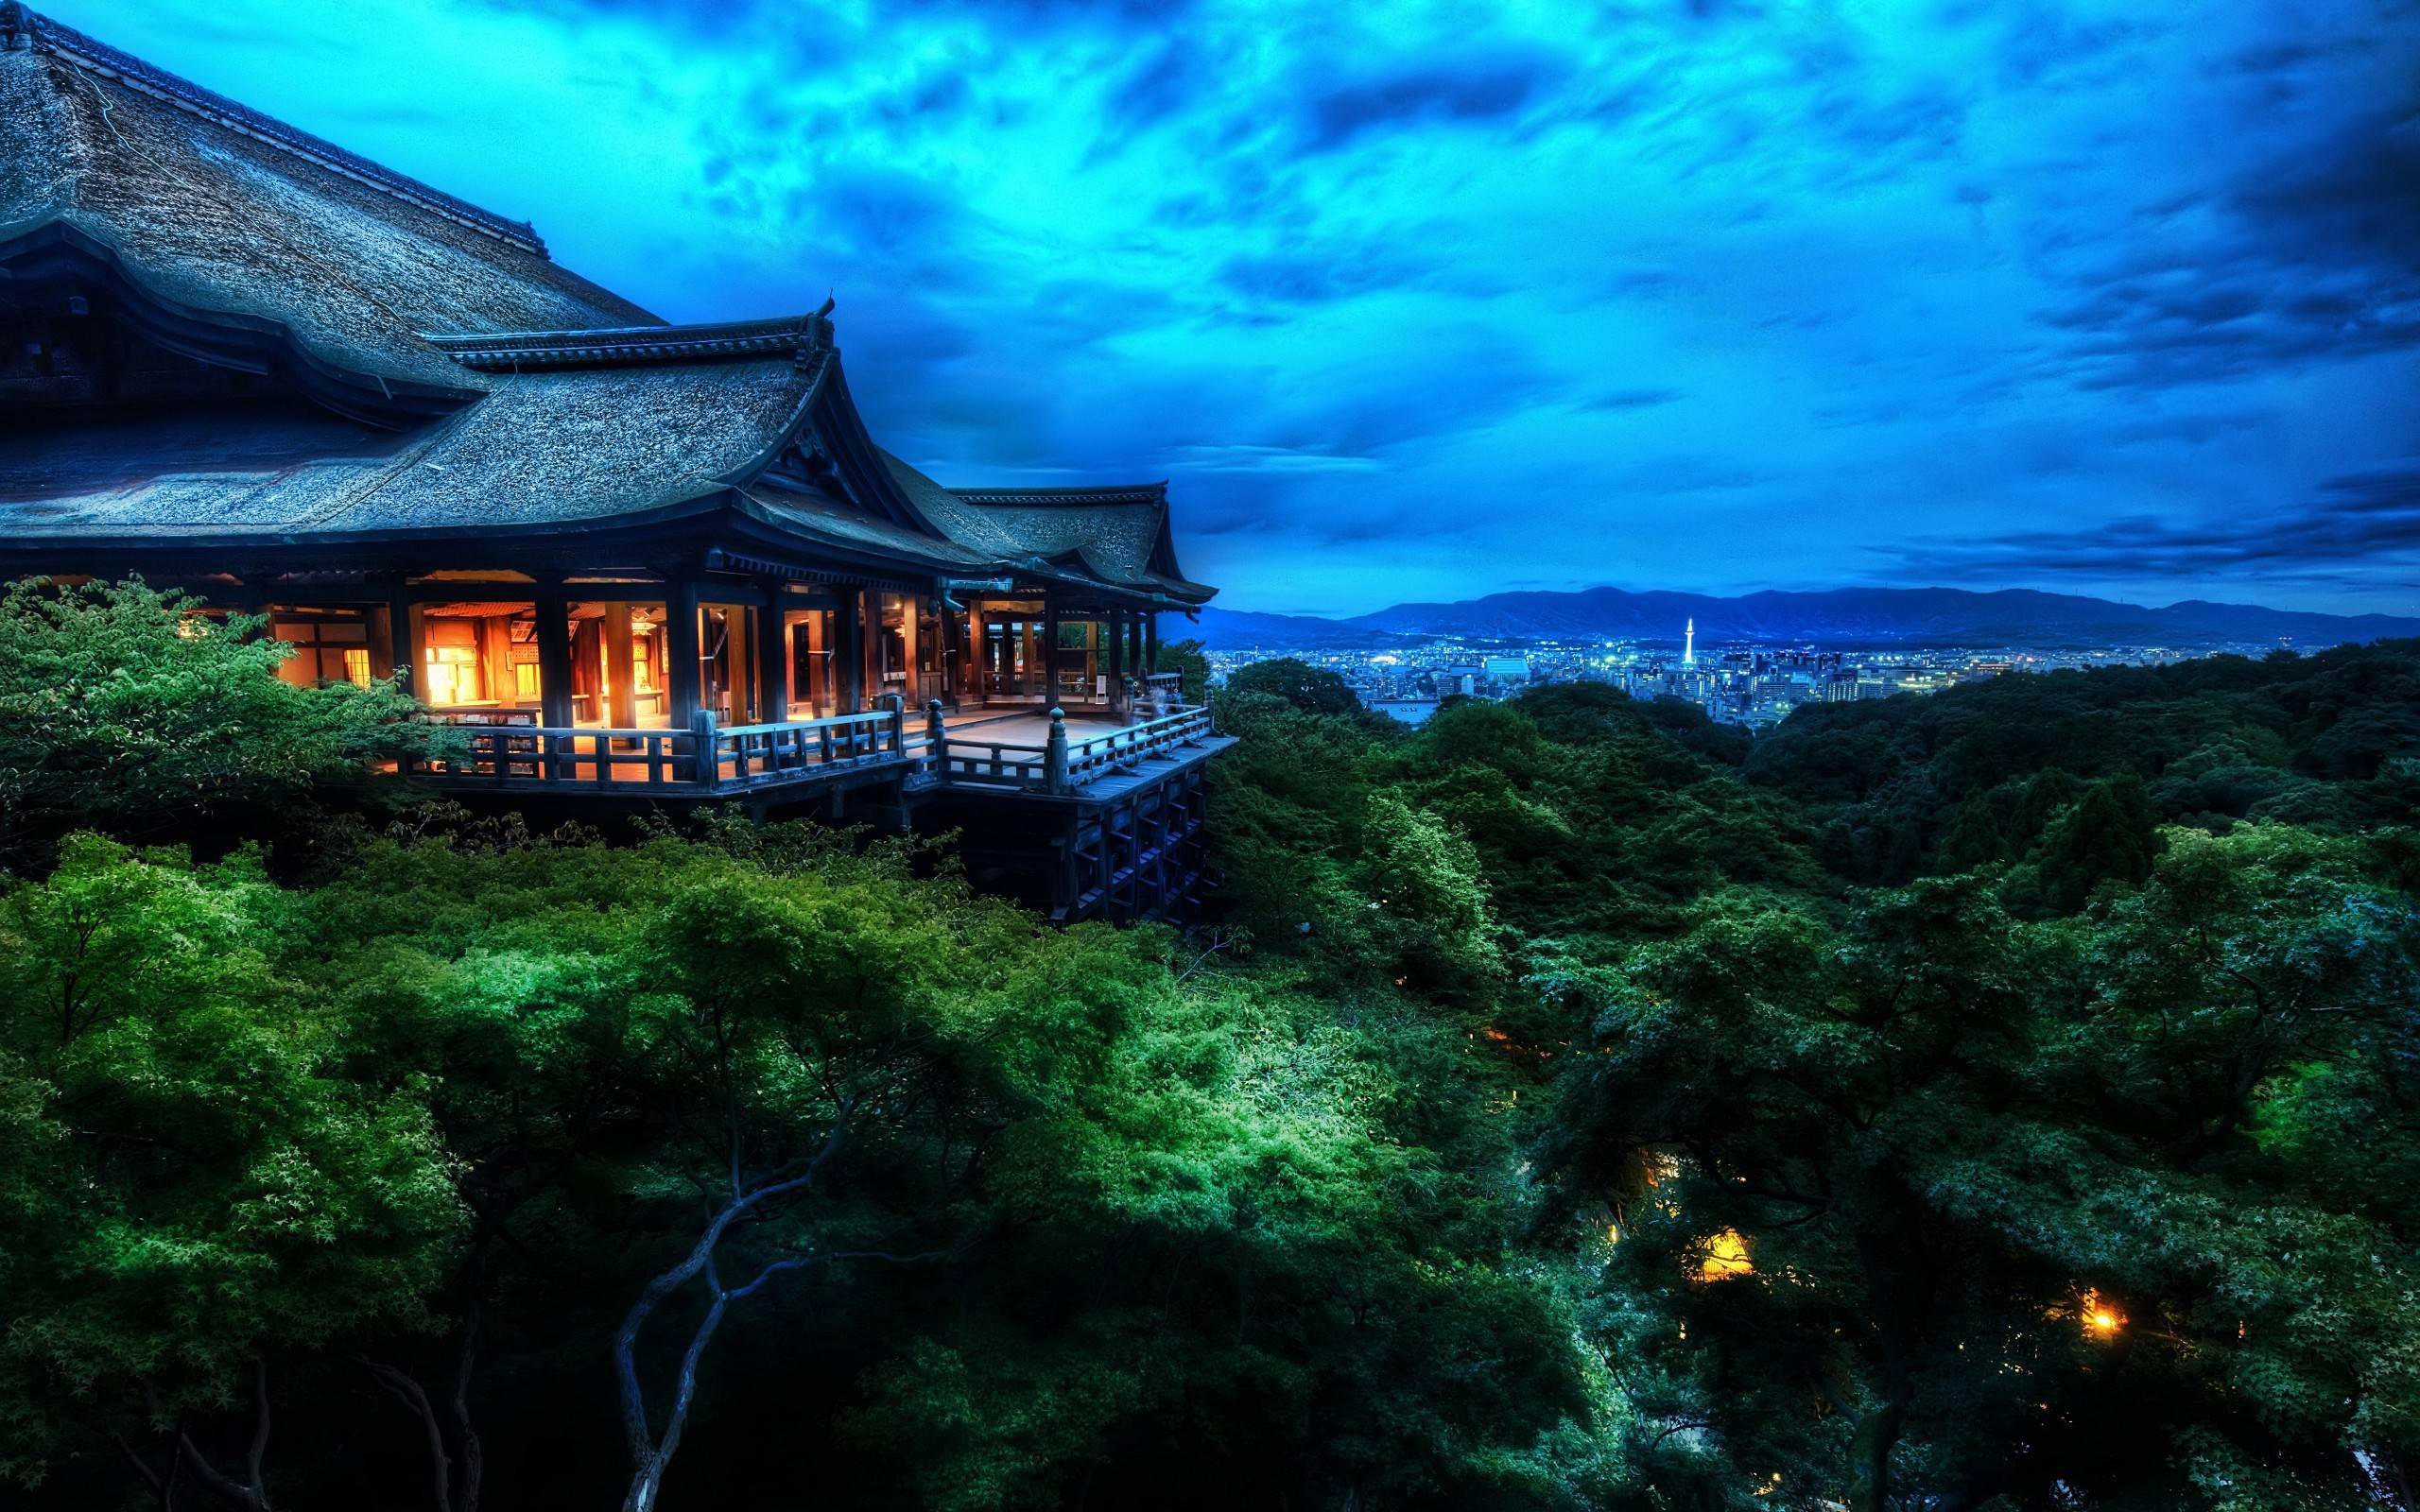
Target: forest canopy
<point x="1997" y="1100"/>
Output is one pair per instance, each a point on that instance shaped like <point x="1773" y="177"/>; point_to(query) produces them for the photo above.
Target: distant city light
<point x="1752" y="686"/>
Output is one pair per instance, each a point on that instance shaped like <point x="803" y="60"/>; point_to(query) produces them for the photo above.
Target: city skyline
<point x="1718" y="297"/>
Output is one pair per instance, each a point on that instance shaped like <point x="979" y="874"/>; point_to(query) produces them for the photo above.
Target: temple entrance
<point x="813" y="664"/>
<point x="478" y="660"/>
<point x="1080" y="680"/>
<point x="727" y="680"/>
<point x="618" y="673"/>
<point x="1006" y="638"/>
<point x="893" y="644"/>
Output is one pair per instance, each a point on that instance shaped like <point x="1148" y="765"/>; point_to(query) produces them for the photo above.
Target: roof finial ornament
<point x="829" y="302"/>
<point x="16" y="28"/>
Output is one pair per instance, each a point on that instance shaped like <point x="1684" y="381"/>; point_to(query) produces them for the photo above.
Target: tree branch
<point x="407" y="1391"/>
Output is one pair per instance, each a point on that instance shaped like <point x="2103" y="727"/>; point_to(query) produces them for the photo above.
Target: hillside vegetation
<point x="2002" y="1099"/>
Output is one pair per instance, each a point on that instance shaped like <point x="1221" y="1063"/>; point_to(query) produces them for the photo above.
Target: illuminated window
<point x="328" y="647"/>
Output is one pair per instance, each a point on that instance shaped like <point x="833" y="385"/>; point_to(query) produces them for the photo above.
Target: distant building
<point x="1507" y="669"/>
<point x="1410" y="711"/>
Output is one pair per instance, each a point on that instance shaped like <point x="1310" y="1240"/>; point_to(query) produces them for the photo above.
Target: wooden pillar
<point x="975" y="668"/>
<point x="774" y="657"/>
<point x="399" y="642"/>
<point x="1151" y="640"/>
<point x="681" y="651"/>
<point x="494" y="636"/>
<point x="1114" y="625"/>
<point x="822" y="672"/>
<point x="848" y="654"/>
<point x="554" y="655"/>
<point x="911" y="638"/>
<point x="1051" y="647"/>
<point x="621" y="679"/>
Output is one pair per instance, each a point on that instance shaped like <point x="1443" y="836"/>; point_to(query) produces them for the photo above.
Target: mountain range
<point x="1862" y="617"/>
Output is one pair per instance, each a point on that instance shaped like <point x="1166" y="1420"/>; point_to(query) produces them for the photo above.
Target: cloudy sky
<point x="1420" y="301"/>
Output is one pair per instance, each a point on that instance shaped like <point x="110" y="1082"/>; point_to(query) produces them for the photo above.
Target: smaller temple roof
<point x="1119" y="533"/>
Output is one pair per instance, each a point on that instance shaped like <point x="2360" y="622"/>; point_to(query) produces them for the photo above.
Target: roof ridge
<point x="26" y="31"/>
<point x="799" y="335"/>
<point x="1077" y="493"/>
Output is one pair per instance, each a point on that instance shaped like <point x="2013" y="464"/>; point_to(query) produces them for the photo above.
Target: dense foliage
<point x="130" y="710"/>
<point x="2004" y="1100"/>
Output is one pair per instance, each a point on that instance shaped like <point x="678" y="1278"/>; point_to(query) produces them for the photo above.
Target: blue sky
<point x="1422" y="302"/>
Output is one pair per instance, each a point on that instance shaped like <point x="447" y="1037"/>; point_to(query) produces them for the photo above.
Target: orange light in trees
<point x="2102" y="1318"/>
<point x="1724" y="1257"/>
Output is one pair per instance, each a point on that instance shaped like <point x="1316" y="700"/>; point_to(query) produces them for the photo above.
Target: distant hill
<point x="1841" y="616"/>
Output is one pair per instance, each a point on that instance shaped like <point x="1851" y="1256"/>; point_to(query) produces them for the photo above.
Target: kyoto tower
<point x="1690" y="644"/>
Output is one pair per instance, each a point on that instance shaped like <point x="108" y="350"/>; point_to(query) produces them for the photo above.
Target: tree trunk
<point x="1877" y="1433"/>
<point x="646" y="1483"/>
<point x="474" y="1456"/>
<point x="251" y="1493"/>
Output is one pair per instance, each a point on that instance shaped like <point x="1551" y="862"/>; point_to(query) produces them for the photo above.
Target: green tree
<point x="2108" y="834"/>
<point x="213" y="1196"/>
<point x="1313" y="690"/>
<point x="1943" y="1206"/>
<point x="1185" y="659"/>
<point x="122" y="709"/>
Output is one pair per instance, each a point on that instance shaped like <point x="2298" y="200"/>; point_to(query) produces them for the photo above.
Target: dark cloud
<point x="1468" y="87"/>
<point x="2353" y="522"/>
<point x="1162" y="81"/>
<point x="1627" y="399"/>
<point x="2310" y="254"/>
<point x="2352" y="197"/>
<point x="1335" y="272"/>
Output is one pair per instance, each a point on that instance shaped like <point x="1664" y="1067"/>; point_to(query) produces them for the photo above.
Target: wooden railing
<point x="703" y="757"/>
<point x="1133" y="742"/>
<point x="506" y="752"/>
<point x="991" y="764"/>
<point x="1057" y="764"/>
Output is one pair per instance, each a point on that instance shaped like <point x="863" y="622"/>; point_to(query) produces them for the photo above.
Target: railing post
<point x="896" y="706"/>
<point x="1054" y="756"/>
<point x="937" y="739"/>
<point x="705" y="760"/>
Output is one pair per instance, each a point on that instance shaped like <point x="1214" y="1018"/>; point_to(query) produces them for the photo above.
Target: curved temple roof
<point x="533" y="398"/>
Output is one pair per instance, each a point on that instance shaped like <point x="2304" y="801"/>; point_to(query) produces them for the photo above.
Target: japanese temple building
<point x="639" y="561"/>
